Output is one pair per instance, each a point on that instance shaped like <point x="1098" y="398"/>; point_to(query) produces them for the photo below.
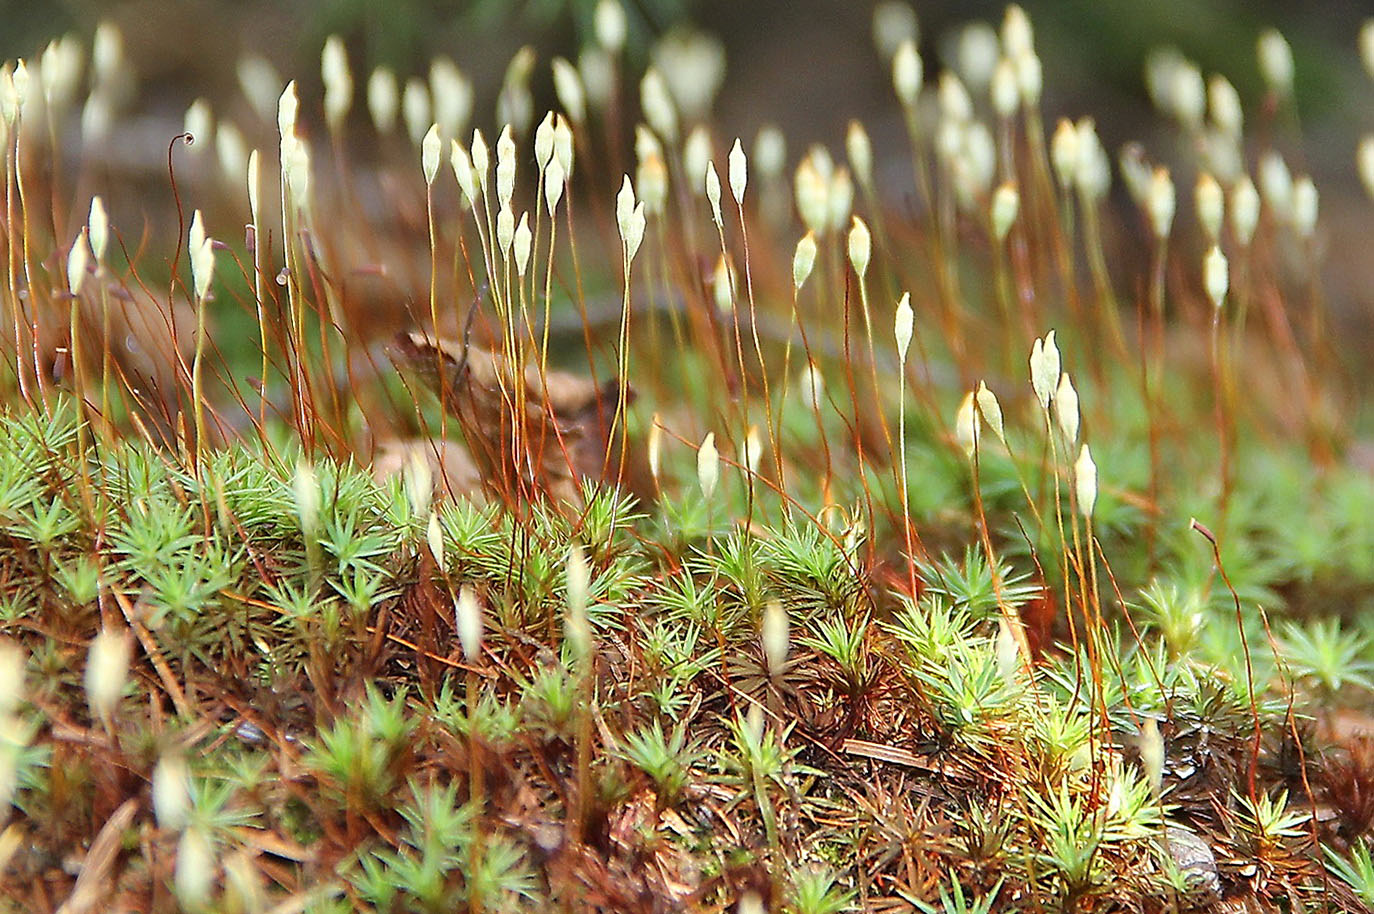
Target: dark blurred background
<point x="807" y="65"/>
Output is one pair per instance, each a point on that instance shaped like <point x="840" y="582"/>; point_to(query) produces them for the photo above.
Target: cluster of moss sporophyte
<point x="550" y="542"/>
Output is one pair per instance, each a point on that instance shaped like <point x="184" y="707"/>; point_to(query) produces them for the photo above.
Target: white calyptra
<point x="1006" y="651"/>
<point x="481" y="159"/>
<point x="467" y="613"/>
<point x="20" y="84"/>
<point x="429" y="154"/>
<point x="893" y="22"/>
<point x="1093" y="174"/>
<point x="1152" y="756"/>
<point x="1189" y="95"/>
<point x="655" y="448"/>
<point x="383" y="99"/>
<point x="803" y="260"/>
<point x="194" y="874"/>
<point x="1006" y="95"/>
<point x="1066" y="409"/>
<point x="78" y="261"/>
<point x="1037" y="372"/>
<point x="1216" y="276"/>
<point x="107" y="670"/>
<point x="1030" y="78"/>
<point x="543" y="141"/>
<point x="1224" y="102"/>
<point x="658" y="105"/>
<point x="12" y="662"/>
<point x="1017" y="36"/>
<point x="1276" y="185"/>
<point x="713" y="192"/>
<point x="722" y="286"/>
<point x="1006" y="202"/>
<point x="505" y="229"/>
<point x="515" y="102"/>
<point x="693" y="66"/>
<point x="338" y="82"/>
<point x="60" y="72"/>
<point x="1210" y="203"/>
<point x="597" y="70"/>
<point x="415" y="108"/>
<point x="305" y="492"/>
<point x="462" y="170"/>
<point x="859" y="150"/>
<point x="949" y="143"/>
<point x="108" y="64"/>
<point x="813" y="197"/>
<point x="434" y="538"/>
<point x="907" y="74"/>
<point x="708" y="465"/>
<point x="296" y="168"/>
<point x="1304" y="207"/>
<point x="231" y="150"/>
<point x="1364" y="161"/>
<point x="97" y="116"/>
<point x="567" y="85"/>
<point x="696" y="155"/>
<point x="1245" y="207"/>
<point x="555" y="180"/>
<point x="955" y="102"/>
<point x="254" y="189"/>
<point x="259" y="80"/>
<point x="903" y="326"/>
<point x="199" y="123"/>
<point x="1064" y="152"/>
<point x="979" y="159"/>
<point x="1135" y="172"/>
<point x="610" y="25"/>
<point x="1160" y="203"/>
<point x="505" y="166"/>
<point x="1085" y="480"/>
<point x="647" y="144"/>
<point x="287" y="106"/>
<point x="839" y="199"/>
<point x="524" y="239"/>
<point x="990" y="409"/>
<point x="563" y="145"/>
<point x="966" y="425"/>
<point x="1044" y="369"/>
<point x="203" y="267"/>
<point x="651" y="177"/>
<point x="624" y="207"/>
<point x="1052" y="358"/>
<point x="171" y="791"/>
<point x="775" y="636"/>
<point x="739" y="172"/>
<point x="1276" y="61"/>
<point x="860" y="247"/>
<point x="751" y="450"/>
<point x="196" y="236"/>
<point x="636" y="235"/>
<point x="977" y="52"/>
<point x="453" y="96"/>
<point x="770" y="151"/>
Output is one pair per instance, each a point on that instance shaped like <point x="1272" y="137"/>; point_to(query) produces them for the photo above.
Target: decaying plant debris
<point x="968" y="565"/>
